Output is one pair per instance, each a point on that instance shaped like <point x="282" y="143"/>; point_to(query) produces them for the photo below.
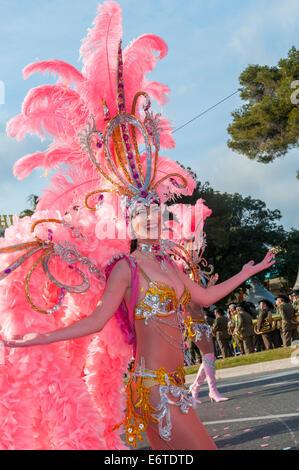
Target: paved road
<point x="262" y="413"/>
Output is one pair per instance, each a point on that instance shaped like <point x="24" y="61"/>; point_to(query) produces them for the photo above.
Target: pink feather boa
<point x="64" y="395"/>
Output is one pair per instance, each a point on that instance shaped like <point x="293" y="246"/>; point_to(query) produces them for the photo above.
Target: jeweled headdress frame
<point x="122" y="164"/>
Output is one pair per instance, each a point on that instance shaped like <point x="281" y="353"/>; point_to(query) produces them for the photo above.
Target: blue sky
<point x="210" y="44"/>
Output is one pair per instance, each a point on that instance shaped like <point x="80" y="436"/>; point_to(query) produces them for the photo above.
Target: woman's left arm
<point x="212" y="294"/>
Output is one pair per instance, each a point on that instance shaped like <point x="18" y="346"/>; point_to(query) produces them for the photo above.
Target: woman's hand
<point x="116" y="286"/>
<point x="251" y="269"/>
<point x="213" y="293"/>
<point x="30" y="339"/>
<point x="213" y="280"/>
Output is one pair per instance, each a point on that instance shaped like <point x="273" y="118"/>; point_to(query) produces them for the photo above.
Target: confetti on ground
<point x="227" y="435"/>
<point x="266" y="437"/>
<point x="215" y="437"/>
<point x="264" y="445"/>
<point x="246" y="430"/>
<point x="227" y="427"/>
<point x="249" y="392"/>
<point x="238" y="407"/>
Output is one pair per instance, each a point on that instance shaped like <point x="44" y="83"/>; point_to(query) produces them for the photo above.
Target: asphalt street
<point x="261" y="414"/>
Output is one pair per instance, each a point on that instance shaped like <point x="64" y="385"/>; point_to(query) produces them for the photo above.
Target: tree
<point x="267" y="126"/>
<point x="288" y="257"/>
<point x="33" y="200"/>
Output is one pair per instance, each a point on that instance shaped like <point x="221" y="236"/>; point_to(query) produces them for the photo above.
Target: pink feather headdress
<point x="109" y="84"/>
<point x="121" y="150"/>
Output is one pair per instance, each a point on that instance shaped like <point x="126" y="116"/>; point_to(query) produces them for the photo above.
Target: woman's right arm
<point x="117" y="284"/>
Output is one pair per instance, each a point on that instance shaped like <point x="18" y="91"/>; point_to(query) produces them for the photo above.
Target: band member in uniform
<point x="288" y="320"/>
<point x="264" y="322"/>
<point x="232" y="327"/>
<point x="244" y="329"/>
<point x="295" y="303"/>
<point x="220" y="329"/>
<point x="258" y="344"/>
<point x="295" y="300"/>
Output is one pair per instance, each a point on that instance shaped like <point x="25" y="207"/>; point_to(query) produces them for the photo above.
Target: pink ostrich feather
<point x="48" y="380"/>
<point x="53" y="157"/>
<point x="63" y="112"/>
<point x="56" y="108"/>
<point x="66" y="72"/>
<point x="99" y="56"/>
<point x="167" y="190"/>
<point x="69" y="188"/>
<point x="99" y="48"/>
<point x="139" y="59"/>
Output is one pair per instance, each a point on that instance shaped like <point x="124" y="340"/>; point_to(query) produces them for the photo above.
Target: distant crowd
<point x="245" y="328"/>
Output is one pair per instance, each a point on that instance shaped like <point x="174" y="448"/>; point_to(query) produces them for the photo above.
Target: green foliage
<point x="288" y="257"/>
<point x="33" y="200"/>
<point x="267" y="126"/>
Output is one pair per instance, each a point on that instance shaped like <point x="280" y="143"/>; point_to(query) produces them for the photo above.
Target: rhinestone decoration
<point x="172" y="393"/>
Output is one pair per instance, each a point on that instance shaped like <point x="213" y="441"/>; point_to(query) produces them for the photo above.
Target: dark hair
<point x="248" y="307"/>
<point x="133" y="245"/>
<point x="244" y="305"/>
<point x="268" y="303"/>
<point x="219" y="310"/>
<point x="282" y="297"/>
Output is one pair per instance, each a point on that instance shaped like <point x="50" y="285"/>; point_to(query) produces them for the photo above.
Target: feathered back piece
<point x="194" y="246"/>
<point x="109" y="84"/>
<point x="188" y="242"/>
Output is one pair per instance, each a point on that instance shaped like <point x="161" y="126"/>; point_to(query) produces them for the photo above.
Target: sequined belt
<point x="195" y="328"/>
<point x="171" y="385"/>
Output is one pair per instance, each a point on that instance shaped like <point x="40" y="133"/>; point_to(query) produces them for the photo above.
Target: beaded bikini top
<point x="159" y="300"/>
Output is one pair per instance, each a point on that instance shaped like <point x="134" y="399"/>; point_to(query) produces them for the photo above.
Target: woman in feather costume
<point x="66" y="394"/>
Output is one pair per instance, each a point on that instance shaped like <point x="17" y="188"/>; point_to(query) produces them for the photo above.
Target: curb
<point x="270" y="366"/>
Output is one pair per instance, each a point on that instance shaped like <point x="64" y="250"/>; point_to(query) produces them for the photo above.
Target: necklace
<point x="159" y="251"/>
<point x="149" y="247"/>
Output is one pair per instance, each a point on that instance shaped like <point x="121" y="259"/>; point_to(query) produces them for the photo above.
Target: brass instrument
<point x="266" y="326"/>
<point x="232" y="327"/>
<point x="238" y="335"/>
